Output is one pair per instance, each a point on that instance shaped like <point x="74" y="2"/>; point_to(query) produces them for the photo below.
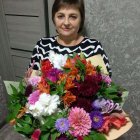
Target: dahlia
<point x="80" y="122"/>
<point x="82" y="102"/>
<point x="90" y="86"/>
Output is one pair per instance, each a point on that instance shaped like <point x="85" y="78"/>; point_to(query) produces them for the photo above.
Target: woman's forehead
<point x="68" y="10"/>
<point x="68" y="6"/>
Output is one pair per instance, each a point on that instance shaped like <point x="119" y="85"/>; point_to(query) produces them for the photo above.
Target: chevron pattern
<point x="89" y="47"/>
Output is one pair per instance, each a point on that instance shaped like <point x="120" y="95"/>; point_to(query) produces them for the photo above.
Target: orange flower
<point x="68" y="98"/>
<point x="90" y="70"/>
<point x="44" y="87"/>
<point x="62" y="77"/>
<point x="21" y="113"/>
<point x="69" y="63"/>
<point x="73" y="73"/>
<point x="69" y="83"/>
<point x="13" y="122"/>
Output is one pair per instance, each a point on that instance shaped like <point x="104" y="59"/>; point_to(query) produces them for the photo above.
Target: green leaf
<point x="14" y="90"/>
<point x="96" y="136"/>
<point x="87" y="138"/>
<point x="8" y="87"/>
<point x="24" y="128"/>
<point x="124" y="97"/>
<point x="13" y="111"/>
<point x="21" y="88"/>
<point x="54" y="136"/>
<point x="44" y="136"/>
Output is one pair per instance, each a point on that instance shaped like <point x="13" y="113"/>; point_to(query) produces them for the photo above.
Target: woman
<point x="68" y="17"/>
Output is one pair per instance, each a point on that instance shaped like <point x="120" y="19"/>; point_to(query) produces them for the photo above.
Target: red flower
<point x="46" y="66"/>
<point x="80" y="138"/>
<point x="112" y="121"/>
<point x="84" y="103"/>
<point x="36" y="134"/>
<point x="90" y="86"/>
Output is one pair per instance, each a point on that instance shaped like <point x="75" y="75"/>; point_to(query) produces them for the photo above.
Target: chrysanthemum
<point x="80" y="122"/>
<point x="62" y="125"/>
<point x="97" y="119"/>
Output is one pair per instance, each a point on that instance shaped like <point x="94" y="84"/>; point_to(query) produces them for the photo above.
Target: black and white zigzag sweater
<point x="89" y="47"/>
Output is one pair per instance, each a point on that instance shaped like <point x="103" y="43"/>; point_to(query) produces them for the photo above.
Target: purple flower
<point x="98" y="103"/>
<point x="97" y="119"/>
<point x="106" y="106"/>
<point x="33" y="98"/>
<point x="52" y="75"/>
<point x="62" y="125"/>
<point x="28" y="90"/>
<point x="62" y="137"/>
<point x="106" y="79"/>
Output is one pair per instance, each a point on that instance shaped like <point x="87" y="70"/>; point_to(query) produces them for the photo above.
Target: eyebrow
<point x="75" y="14"/>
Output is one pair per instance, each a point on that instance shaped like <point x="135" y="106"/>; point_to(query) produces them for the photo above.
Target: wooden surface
<point x="21" y="7"/>
<point x="23" y="31"/>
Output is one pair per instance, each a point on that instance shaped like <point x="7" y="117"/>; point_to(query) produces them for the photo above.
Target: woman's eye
<point x="73" y="17"/>
<point x="60" y="16"/>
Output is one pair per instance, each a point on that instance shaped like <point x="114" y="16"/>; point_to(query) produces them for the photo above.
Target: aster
<point x="97" y="119"/>
<point x="62" y="125"/>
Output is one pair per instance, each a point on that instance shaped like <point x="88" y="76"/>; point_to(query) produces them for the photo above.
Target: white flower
<point x="46" y="105"/>
<point x="58" y="60"/>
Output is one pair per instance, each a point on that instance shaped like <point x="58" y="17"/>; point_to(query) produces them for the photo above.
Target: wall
<point x="116" y="23"/>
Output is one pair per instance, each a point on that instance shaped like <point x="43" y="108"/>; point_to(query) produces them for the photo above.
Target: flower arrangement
<point x="70" y="99"/>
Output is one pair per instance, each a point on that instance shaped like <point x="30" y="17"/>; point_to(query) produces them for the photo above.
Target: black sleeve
<point x="35" y="58"/>
<point x="105" y="58"/>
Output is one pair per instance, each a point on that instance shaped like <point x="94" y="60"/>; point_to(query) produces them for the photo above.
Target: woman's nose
<point x="66" y="21"/>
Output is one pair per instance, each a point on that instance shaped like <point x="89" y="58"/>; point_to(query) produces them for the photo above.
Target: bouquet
<point x="69" y="99"/>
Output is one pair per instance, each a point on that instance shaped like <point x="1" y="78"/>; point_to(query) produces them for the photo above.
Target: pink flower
<point x="106" y="79"/>
<point x="33" y="98"/>
<point x="34" y="80"/>
<point x="80" y="122"/>
<point x="36" y="134"/>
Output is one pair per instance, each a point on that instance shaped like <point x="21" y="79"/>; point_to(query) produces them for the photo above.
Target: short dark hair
<point x="79" y="4"/>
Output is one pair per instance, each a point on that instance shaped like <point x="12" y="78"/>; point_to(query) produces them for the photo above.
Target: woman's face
<point x="67" y="21"/>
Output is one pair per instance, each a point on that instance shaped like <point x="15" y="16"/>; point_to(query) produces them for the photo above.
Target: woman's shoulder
<point x="91" y="41"/>
<point x="44" y="41"/>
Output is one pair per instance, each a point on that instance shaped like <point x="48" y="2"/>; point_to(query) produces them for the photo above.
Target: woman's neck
<point x="69" y="41"/>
